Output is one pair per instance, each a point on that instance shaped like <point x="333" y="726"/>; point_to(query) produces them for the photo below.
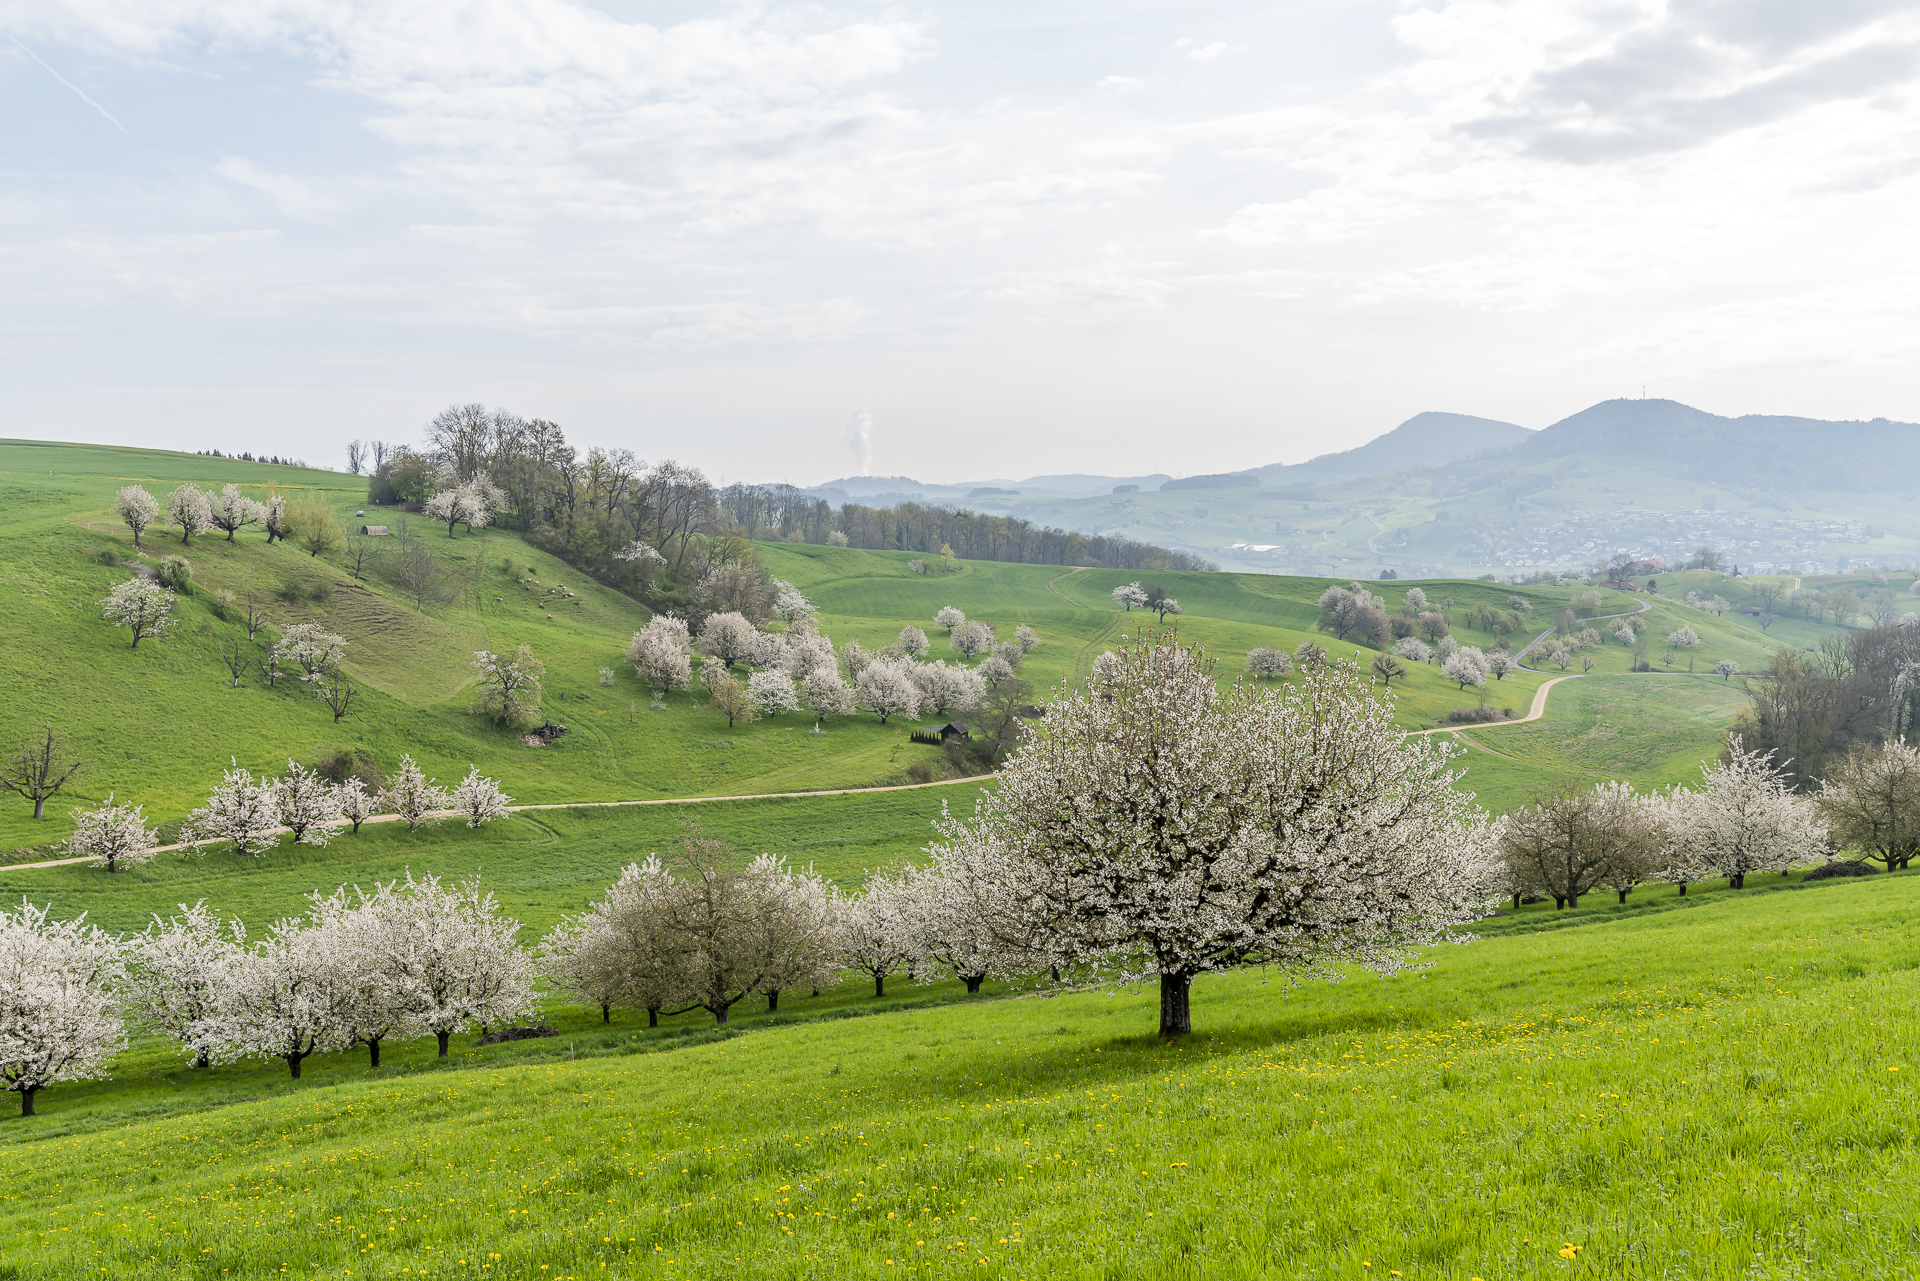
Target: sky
<point x="948" y="240"/>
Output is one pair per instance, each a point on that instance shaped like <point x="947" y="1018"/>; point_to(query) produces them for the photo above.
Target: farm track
<point x="583" y="805"/>
<point x="1080" y="660"/>
<point x="1536" y="711"/>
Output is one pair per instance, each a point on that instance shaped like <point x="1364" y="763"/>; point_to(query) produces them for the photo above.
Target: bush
<point x="222" y="603"/>
<point x="339" y="764"/>
<point x="1473" y="715"/>
<point x="176" y="574"/>
<point x="920" y="772"/>
<point x="111" y="556"/>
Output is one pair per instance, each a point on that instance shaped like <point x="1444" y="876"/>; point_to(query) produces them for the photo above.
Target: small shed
<point x="374" y="531"/>
<point x="952" y="730"/>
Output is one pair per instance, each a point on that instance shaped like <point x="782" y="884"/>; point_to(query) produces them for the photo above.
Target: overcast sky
<point x="1013" y="238"/>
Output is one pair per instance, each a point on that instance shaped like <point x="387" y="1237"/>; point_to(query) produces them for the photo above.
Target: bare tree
<point x="359" y="548"/>
<point x="337" y="692"/>
<point x="255" y="617"/>
<point x="356" y="457"/>
<point x="236" y="662"/>
<point x="417" y="571"/>
<point x="39" y="769"/>
<point x="1871" y="801"/>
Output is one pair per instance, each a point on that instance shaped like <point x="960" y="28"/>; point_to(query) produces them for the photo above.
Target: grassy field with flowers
<point x="1719" y="1089"/>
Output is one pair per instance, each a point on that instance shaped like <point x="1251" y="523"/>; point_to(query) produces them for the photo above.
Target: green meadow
<point x="1719" y="1090"/>
<point x="1709" y="1085"/>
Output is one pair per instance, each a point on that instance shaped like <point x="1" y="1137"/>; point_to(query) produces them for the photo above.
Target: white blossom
<point x="770" y="651"/>
<point x="306" y="804"/>
<point x="729" y="637"/>
<point x="144" y="607"/>
<point x="622" y="951"/>
<point x="1684" y="637"/>
<point x="412" y="795"/>
<point x="971" y="638"/>
<point x="175" y="974"/>
<point x="1265" y="661"/>
<point x="59" y="1020"/>
<point x="239" y="810"/>
<point x="887" y="689"/>
<point x="1026" y="637"/>
<point x="913" y="641"/>
<point x="1129" y="595"/>
<point x="796" y="932"/>
<point x="479" y="799"/>
<point x="854" y="658"/>
<point x="1744" y="817"/>
<point x="1466" y="666"/>
<point x="452" y="952"/>
<point x="509" y="688"/>
<point x="1416" y="599"/>
<point x="949" y="618"/>
<point x="357" y="804"/>
<point x="112" y="836"/>
<point x="1413" y="649"/>
<point x="945" y="688"/>
<point x="138" y="508"/>
<point x="311" y="648"/>
<point x="807" y="652"/>
<point x="232" y="511"/>
<point x="662" y="653"/>
<point x="875" y="933"/>
<point x="640" y="552"/>
<point x="189" y="508"/>
<point x="1153" y="824"/>
<point x="283" y="998"/>
<point x="773" y="692"/>
<point x="827" y="695"/>
<point x="993" y="669"/>
<point x="789" y="603"/>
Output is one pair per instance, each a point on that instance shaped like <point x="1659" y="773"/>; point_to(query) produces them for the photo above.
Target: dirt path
<point x="577" y="805"/>
<point x="1082" y="664"/>
<point x="1378" y="529"/>
<point x="1534" y="713"/>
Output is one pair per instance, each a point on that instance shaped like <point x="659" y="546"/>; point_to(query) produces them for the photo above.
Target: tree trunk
<point x="1573" y="900"/>
<point x="40" y="810"/>
<point x="373" y="1051"/>
<point x="1738" y="881"/>
<point x="973" y="983"/>
<point x="606" y="1012"/>
<point x="443" y="1042"/>
<point x="1559" y="902"/>
<point x="1176" y="1019"/>
<point x="200" y="1059"/>
<point x="1516" y="902"/>
<point x="773" y="1000"/>
<point x="26" y="1100"/>
<point x="653" y="1016"/>
<point x="879" y="985"/>
<point x="720" y="1013"/>
<point x="1683" y="889"/>
<point x="293" y="1064"/>
<point x="1623" y="896"/>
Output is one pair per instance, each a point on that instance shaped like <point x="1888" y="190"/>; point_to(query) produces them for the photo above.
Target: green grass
<point x="156" y="725"/>
<point x="1649" y="730"/>
<point x="1714" y="1091"/>
<point x="540" y="863"/>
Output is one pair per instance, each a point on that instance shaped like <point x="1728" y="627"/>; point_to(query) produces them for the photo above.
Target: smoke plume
<point x="860" y="439"/>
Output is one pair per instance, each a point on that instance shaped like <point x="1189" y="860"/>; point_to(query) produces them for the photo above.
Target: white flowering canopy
<point x="1153" y="824"/>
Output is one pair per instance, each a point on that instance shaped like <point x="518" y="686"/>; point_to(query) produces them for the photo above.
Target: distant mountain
<point x="1756" y="451"/>
<point x="1431" y="439"/>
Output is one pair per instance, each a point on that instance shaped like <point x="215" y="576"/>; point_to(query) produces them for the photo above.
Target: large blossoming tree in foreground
<point x="1153" y="824"/>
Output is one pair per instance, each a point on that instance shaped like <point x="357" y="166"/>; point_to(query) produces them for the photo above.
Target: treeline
<point x="1813" y="708"/>
<point x="781" y="512"/>
<point x="662" y="532"/>
<point x="245" y="457"/>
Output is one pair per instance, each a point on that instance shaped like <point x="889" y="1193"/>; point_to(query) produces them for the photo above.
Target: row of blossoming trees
<point x="800" y="669"/>
<point x="1744" y="818"/>
<point x="251" y="814"/>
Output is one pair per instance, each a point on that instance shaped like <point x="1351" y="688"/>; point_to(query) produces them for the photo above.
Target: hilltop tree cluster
<point x="662" y="530"/>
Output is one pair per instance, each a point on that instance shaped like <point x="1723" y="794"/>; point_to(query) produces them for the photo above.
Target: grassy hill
<point x="159" y="723"/>
<point x="1717" y="1090"/>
